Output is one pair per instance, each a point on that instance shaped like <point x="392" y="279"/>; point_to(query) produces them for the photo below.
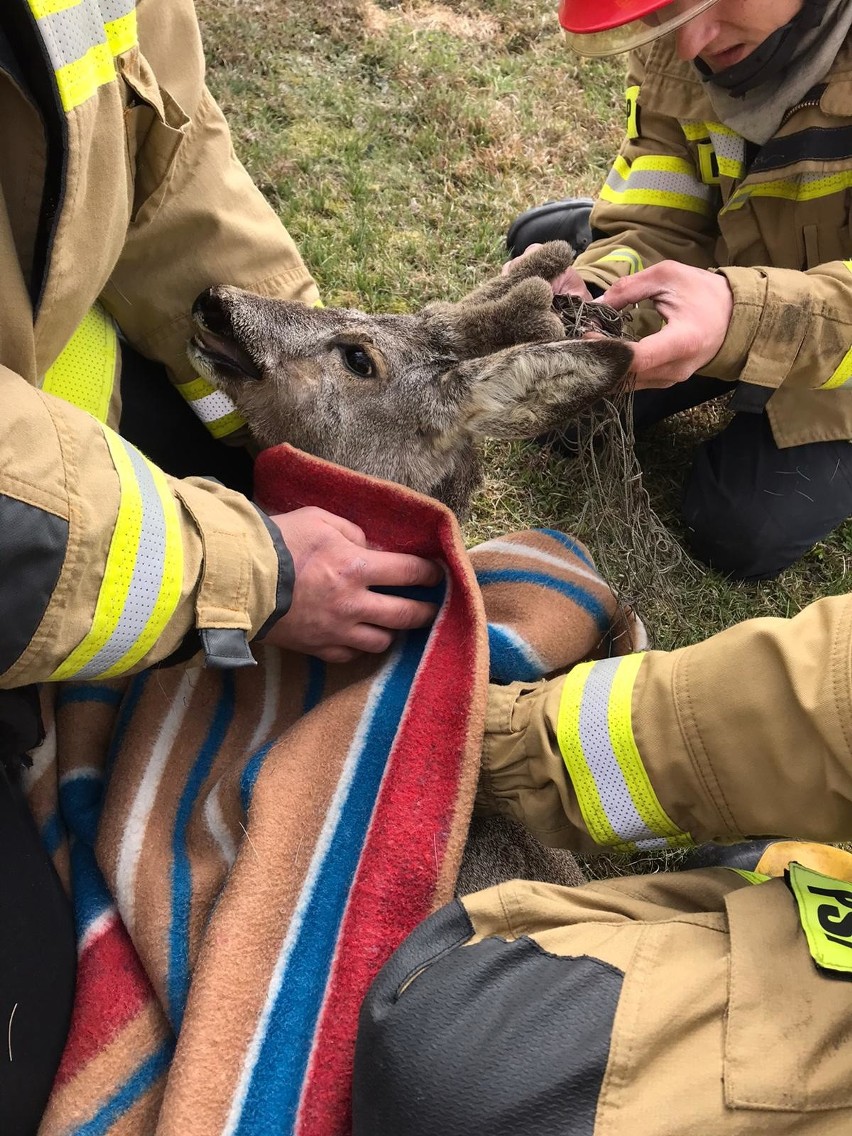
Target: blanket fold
<point x="245" y="849"/>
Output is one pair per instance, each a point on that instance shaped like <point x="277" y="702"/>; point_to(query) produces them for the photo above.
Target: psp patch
<point x="825" y="911"/>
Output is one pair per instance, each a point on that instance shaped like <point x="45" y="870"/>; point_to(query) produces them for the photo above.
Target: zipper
<point x="811" y="99"/>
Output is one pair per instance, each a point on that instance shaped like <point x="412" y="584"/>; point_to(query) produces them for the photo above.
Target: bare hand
<point x="334" y="615"/>
<point x="567" y="283"/>
<point x="697" y="306"/>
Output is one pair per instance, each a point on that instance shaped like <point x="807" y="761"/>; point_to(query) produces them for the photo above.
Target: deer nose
<point x="211" y="311"/>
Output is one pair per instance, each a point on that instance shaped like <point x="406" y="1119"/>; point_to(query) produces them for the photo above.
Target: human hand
<point x="567" y="283"/>
<point x="334" y="615"/>
<point x="697" y="306"/>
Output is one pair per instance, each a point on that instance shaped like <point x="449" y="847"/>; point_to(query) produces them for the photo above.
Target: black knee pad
<point x="491" y="1039"/>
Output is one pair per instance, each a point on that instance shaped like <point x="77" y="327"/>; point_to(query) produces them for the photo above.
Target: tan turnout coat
<point x="153" y="207"/>
<point x="775" y="221"/>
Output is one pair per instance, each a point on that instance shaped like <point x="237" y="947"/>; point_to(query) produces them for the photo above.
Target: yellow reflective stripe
<point x="808" y="187"/>
<point x="41" y="8"/>
<point x="632" y="97"/>
<point x="79" y="80"/>
<point x="122" y="34"/>
<point x="694" y="131"/>
<point x="118" y="571"/>
<point x="626" y="256"/>
<point x="665" y="181"/>
<point x="842" y="374"/>
<point x="84" y="372"/>
<point x="627" y="752"/>
<point x="617" y="802"/>
<point x="750" y="877"/>
<point x="568" y="735"/>
<point x="215" y="409"/>
<point x="708" y="165"/>
<point x="143" y="574"/>
<point x="171" y="584"/>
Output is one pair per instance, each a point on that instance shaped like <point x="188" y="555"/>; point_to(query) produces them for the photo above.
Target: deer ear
<point x="527" y="390"/>
<point x="522" y="314"/>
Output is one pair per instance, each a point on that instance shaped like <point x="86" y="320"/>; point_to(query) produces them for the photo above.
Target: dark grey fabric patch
<point x="32" y="551"/>
<point x="226" y="647"/>
<point x="493" y="1039"/>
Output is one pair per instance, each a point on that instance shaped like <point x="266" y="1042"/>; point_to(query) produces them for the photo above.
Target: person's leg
<point x="159" y="422"/>
<point x="752" y="509"/>
<point x="677" y="1004"/>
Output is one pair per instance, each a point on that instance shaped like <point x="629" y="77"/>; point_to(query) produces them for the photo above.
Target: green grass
<point x="397" y="141"/>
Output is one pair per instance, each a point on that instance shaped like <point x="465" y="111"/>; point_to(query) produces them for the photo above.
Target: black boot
<point x="553" y="221"/>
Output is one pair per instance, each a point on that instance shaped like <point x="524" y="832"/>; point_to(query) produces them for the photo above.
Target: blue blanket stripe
<point x="80" y="802"/>
<point x="91" y="895"/>
<point x="272" y="1098"/>
<point x="135" y="1087"/>
<point x="580" y="596"/>
<point x="511" y="658"/>
<point x="571" y="544"/>
<point x="178" y="976"/>
<point x="87" y="692"/>
<point x="52" y="833"/>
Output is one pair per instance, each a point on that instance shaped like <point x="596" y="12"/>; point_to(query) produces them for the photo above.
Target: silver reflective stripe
<point x="660" y="181"/>
<point x="730" y="152"/>
<point x="212" y="406"/>
<point x="600" y="757"/>
<point x="146" y="581"/>
<point x="69" y="34"/>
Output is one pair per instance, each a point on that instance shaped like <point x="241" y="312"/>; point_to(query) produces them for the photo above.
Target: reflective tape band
<point x="725" y="145"/>
<point x="632" y="97"/>
<point x="143" y="574"/>
<point x="82" y="40"/>
<point x="802" y="187"/>
<point x="624" y="256"/>
<point x="666" y="182"/>
<point x="841" y="376"/>
<point x="595" y="733"/>
<point x="84" y="373"/>
<point x="215" y="409"/>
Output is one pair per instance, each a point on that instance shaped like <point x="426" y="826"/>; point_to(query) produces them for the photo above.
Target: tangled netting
<point x="633" y="548"/>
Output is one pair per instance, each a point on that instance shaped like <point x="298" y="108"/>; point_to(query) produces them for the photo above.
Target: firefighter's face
<point x="731" y="29"/>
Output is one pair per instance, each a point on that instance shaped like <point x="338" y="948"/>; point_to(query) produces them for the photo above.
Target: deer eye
<point x="358" y="361"/>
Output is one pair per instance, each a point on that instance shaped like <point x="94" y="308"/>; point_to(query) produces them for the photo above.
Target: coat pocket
<point x="788" y="1034"/>
<point x="155" y="127"/>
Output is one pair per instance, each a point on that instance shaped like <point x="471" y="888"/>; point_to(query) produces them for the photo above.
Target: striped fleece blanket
<point x="245" y="849"/>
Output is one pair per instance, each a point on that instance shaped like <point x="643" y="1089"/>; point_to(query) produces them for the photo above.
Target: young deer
<point x="405" y="397"/>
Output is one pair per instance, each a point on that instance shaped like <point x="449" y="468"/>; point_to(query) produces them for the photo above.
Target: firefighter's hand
<point x="697" y="306"/>
<point x="333" y="614"/>
<point x="567" y="283"/>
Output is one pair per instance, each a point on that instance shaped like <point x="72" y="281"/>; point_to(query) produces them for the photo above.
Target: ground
<point x="397" y="141"/>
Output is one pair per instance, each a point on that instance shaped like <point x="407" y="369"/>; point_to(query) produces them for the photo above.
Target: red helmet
<point x="607" y="27"/>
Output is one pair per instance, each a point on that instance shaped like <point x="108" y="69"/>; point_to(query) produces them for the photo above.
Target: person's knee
<point x="729" y="545"/>
<point x="491" y="1038"/>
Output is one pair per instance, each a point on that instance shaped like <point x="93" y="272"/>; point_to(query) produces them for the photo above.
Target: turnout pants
<point x="752" y="509"/>
<point x="700" y="1003"/>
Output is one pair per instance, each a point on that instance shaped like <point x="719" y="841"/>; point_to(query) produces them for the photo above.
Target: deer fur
<point x="407" y="397"/>
<point x="496" y="364"/>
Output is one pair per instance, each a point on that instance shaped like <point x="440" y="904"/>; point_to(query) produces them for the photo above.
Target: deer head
<point x="405" y="397"/>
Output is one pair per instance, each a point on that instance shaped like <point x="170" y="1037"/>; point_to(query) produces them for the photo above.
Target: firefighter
<point x="727" y="209"/>
<point x="120" y="200"/>
<point x="713" y="1001"/>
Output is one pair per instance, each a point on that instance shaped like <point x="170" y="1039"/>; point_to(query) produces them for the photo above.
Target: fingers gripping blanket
<point x="245" y="849"/>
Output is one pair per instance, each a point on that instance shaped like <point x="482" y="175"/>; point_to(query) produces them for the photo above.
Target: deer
<point x="404" y="397"/>
<point x="407" y="398"/>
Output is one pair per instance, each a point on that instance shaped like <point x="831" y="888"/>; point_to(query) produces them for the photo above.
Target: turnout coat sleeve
<point x="748" y="733"/>
<point x="108" y="564"/>
<point x="197" y="218"/>
<point x="654" y="205"/>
